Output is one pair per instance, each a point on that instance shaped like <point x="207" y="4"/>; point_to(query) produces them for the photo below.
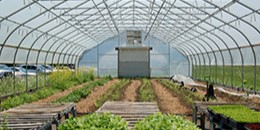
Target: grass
<point x="114" y="93"/>
<point x="217" y="75"/>
<point x="146" y="92"/>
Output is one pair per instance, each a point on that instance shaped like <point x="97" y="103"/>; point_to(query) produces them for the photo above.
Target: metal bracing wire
<point x="164" y="15"/>
<point x="59" y="16"/>
<point x="111" y="16"/>
<point x="104" y="17"/>
<point x="148" y="33"/>
<point x="99" y="24"/>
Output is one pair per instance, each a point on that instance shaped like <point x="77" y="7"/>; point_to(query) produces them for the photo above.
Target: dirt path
<point x="60" y="94"/>
<point x="168" y="103"/>
<point x="87" y="105"/>
<point x="130" y="94"/>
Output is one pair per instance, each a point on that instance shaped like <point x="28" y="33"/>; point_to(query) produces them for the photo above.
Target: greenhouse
<point x="130" y="64"/>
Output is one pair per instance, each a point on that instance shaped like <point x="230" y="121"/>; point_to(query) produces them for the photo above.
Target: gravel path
<point x="168" y="103"/>
<point x="130" y="94"/>
<point x="87" y="105"/>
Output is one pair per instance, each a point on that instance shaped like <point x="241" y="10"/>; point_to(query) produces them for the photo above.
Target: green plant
<point x="146" y="92"/>
<point x="95" y="121"/>
<point x="185" y="95"/>
<point x="7" y="85"/>
<point x="82" y="76"/>
<point x="114" y="93"/>
<point x="60" y="80"/>
<point x="26" y="98"/>
<point x="159" y="121"/>
<point x="83" y="92"/>
<point x="4" y="123"/>
<point x="217" y="75"/>
<point x="239" y="113"/>
<point x="41" y="93"/>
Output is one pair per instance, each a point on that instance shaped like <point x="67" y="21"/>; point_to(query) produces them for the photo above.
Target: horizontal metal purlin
<point x="92" y="14"/>
<point x="24" y="48"/>
<point x="129" y="19"/>
<point x="130" y="7"/>
<point x="235" y="48"/>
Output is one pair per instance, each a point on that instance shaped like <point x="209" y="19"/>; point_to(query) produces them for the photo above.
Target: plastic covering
<point x="210" y="33"/>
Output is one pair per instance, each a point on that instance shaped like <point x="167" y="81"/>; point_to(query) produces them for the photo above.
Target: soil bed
<point x="60" y="94"/>
<point x="130" y="94"/>
<point x="87" y="105"/>
<point x="168" y="103"/>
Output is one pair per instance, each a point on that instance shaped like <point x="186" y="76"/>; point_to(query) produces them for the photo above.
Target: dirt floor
<point x="87" y="105"/>
<point x="130" y="94"/>
<point x="168" y="103"/>
<point x="60" y="94"/>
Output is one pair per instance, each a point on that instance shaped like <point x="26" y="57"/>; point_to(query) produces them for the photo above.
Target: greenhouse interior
<point x="130" y="64"/>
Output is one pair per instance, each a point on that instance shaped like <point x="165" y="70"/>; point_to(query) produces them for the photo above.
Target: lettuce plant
<point x="95" y="121"/>
<point x="160" y="121"/>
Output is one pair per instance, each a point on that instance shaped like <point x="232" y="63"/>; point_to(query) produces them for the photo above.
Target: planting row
<point x="59" y="81"/>
<point x="188" y="97"/>
<point x="114" y="93"/>
<point x="146" y="92"/>
<point x="83" y="92"/>
<point x="108" y="121"/>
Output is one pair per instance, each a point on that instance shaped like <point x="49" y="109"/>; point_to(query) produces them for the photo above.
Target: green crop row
<point x="187" y="96"/>
<point x="83" y="92"/>
<point x="114" y="93"/>
<point x="27" y="98"/>
<point x="95" y="121"/>
<point x="108" y="121"/>
<point x="159" y="121"/>
<point x="239" y="113"/>
<point x="146" y="92"/>
<point x="42" y="92"/>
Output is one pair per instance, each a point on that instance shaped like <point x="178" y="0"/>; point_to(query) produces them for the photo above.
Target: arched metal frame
<point x="100" y="21"/>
